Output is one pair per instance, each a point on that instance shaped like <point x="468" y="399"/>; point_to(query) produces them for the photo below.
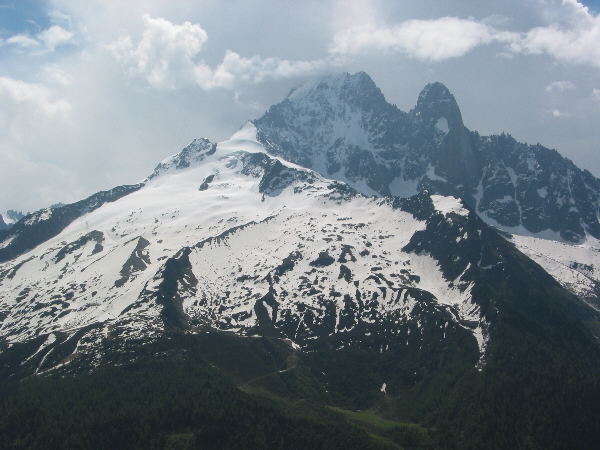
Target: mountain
<point x="13" y="216"/>
<point x="342" y="127"/>
<point x="276" y="268"/>
<point x="329" y="267"/>
<point x="9" y="218"/>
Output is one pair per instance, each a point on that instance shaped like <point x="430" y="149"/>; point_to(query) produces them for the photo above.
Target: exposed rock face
<point x="342" y="127"/>
<point x="438" y="112"/>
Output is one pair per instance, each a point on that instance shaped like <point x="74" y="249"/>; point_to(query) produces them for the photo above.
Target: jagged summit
<point x="195" y="152"/>
<point x="436" y="102"/>
<point x="334" y="105"/>
<point x="435" y="92"/>
<point x="357" y="89"/>
<point x="437" y="109"/>
<point x="360" y="91"/>
<point x="342" y="127"/>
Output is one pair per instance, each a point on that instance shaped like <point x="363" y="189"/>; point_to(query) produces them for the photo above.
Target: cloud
<point x="22" y="40"/>
<point x="17" y="92"/>
<point x="168" y="56"/>
<point x="434" y="40"/>
<point x="255" y="69"/>
<point x="572" y="38"/>
<point x="47" y="40"/>
<point x="560" y="86"/>
<point x="165" y="56"/>
<point x="596" y="94"/>
<point x="32" y="119"/>
<point x="574" y="45"/>
<point x="54" y="36"/>
<point x="55" y="75"/>
<point x="558" y="113"/>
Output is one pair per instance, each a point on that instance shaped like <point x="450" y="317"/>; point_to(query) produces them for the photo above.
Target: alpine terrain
<point x="338" y="274"/>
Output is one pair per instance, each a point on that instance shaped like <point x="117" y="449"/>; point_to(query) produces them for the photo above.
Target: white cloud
<point x="54" y="74"/>
<point x="54" y="36"/>
<point x="596" y="94"/>
<point x="434" y="40"/>
<point x="60" y="18"/>
<point x="17" y="92"/>
<point x="165" y="56"/>
<point x="32" y="120"/>
<point x="572" y="36"/>
<point x="48" y="39"/>
<point x="574" y="39"/>
<point x="558" y="113"/>
<point x="560" y="86"/>
<point x="168" y="55"/>
<point x="236" y="68"/>
<point x="22" y="40"/>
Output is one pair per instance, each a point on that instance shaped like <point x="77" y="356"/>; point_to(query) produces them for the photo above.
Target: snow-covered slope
<point x="575" y="266"/>
<point x="225" y="236"/>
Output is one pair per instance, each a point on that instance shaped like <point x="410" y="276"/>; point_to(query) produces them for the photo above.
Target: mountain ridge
<point x="393" y="152"/>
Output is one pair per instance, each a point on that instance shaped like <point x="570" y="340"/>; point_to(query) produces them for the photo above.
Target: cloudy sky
<point x="94" y="93"/>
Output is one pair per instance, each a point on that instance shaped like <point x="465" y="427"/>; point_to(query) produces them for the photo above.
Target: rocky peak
<point x="356" y="90"/>
<point x="342" y="127"/>
<point x="195" y="152"/>
<point x="437" y="111"/>
<point x="437" y="104"/>
<point x="328" y="122"/>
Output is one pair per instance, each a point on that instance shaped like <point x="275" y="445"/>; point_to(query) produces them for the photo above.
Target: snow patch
<point x="447" y="205"/>
<point x="442" y="125"/>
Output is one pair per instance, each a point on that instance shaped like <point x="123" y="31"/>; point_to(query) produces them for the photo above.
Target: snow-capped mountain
<point x="282" y="248"/>
<point x="226" y="237"/>
<point x="233" y="236"/>
<point x="229" y="238"/>
<point x="342" y="127"/>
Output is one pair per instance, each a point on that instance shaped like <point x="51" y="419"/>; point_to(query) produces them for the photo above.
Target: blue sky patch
<point x="22" y="17"/>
